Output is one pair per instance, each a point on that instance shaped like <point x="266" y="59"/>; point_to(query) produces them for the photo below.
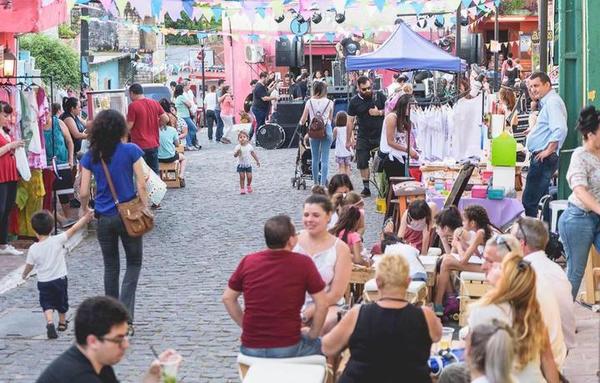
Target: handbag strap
<point x="110" y="183"/>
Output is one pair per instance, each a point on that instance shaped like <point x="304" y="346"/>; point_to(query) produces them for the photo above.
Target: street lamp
<point x="9" y="65"/>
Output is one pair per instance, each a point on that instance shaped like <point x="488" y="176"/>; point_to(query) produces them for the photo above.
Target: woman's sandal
<point x="63" y="326"/>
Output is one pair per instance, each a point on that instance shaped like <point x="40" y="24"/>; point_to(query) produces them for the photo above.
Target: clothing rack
<point x="50" y="79"/>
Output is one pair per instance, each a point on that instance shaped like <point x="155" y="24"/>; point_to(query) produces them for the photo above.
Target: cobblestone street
<point x="201" y="233"/>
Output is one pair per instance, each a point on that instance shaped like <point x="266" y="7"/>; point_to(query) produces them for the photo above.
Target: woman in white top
<point x="393" y="143"/>
<point x="331" y="256"/>
<point x="578" y="225"/>
<point x="513" y="300"/>
<point x="319" y="105"/>
<point x="490" y="353"/>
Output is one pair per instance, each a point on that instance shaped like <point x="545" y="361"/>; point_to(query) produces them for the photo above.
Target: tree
<point x="184" y="22"/>
<point x="53" y="58"/>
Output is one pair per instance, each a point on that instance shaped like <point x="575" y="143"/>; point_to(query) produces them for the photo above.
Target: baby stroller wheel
<point x="304" y="184"/>
<point x="293" y="181"/>
<point x="298" y="184"/>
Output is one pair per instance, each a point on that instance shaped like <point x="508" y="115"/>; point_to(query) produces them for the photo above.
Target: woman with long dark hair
<point x="124" y="161"/>
<point x="393" y="145"/>
<point x="71" y="111"/>
<point x="174" y="121"/>
<point x="319" y="105"/>
<point x="8" y="177"/>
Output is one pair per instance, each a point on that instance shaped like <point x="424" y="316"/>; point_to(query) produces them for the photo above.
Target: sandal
<point x="63" y="326"/>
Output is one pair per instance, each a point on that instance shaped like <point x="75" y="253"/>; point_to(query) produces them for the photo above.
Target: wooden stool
<point x="472" y="286"/>
<point x="390" y="194"/>
<point x="180" y="149"/>
<point x="360" y="275"/>
<point x="591" y="278"/>
<point x="429" y="263"/>
<point x="169" y="173"/>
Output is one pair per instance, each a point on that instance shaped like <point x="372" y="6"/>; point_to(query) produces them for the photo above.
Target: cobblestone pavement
<point x="201" y="233"/>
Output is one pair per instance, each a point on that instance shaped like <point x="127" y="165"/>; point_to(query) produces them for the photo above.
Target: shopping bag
<point x="155" y="187"/>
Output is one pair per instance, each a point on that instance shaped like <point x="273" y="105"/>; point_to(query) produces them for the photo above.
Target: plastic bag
<point x="155" y="187"/>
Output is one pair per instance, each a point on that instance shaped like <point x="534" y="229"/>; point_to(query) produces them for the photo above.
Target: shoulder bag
<point x="136" y="217"/>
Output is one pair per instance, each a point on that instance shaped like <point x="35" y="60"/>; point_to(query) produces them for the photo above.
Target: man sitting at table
<point x="274" y="283"/>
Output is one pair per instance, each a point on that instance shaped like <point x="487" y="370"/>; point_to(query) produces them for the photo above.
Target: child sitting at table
<point x="347" y="228"/>
<point x="466" y="252"/>
<point x="446" y="222"/>
<point x="415" y="225"/>
<point x="342" y="200"/>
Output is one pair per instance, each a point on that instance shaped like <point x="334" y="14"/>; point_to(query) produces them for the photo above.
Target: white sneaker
<point x="9" y="250"/>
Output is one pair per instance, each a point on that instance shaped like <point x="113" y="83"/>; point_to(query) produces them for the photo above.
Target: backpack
<point x="316" y="128"/>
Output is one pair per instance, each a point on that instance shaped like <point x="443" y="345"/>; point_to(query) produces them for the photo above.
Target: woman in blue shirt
<point x="124" y="161"/>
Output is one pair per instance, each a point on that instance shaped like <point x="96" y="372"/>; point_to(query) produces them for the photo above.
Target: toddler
<point x="243" y="151"/>
<point x="48" y="257"/>
<point x="343" y="156"/>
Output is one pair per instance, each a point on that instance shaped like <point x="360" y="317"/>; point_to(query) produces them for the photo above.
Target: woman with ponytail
<point x="350" y="222"/>
<point x="490" y="353"/>
<point x="513" y="301"/>
<point x="578" y="224"/>
<point x="8" y="177"/>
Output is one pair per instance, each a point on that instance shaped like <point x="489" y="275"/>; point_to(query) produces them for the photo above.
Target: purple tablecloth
<point x="500" y="212"/>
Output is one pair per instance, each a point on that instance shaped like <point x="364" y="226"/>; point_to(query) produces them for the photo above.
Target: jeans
<point x="319" y="150"/>
<point x="211" y="119"/>
<point x="151" y="158"/>
<point x="8" y="193"/>
<point x="578" y="231"/>
<point x="219" y="120"/>
<point x="305" y="347"/>
<point x="110" y="229"/>
<point x="538" y="181"/>
<point x="190" y="139"/>
<point x="260" y="115"/>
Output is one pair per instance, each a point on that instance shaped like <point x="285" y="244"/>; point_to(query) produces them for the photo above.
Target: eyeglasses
<point x="501" y="241"/>
<point x="119" y="339"/>
<point x="521" y="230"/>
<point x="365" y="89"/>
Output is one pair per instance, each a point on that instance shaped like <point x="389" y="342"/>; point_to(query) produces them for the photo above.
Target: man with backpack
<point x="367" y="109"/>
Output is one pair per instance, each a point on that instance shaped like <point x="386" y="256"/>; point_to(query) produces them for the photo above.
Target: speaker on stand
<point x="285" y="54"/>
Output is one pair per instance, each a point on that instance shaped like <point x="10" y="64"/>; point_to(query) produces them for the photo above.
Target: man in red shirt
<point x="274" y="283"/>
<point x="144" y="116"/>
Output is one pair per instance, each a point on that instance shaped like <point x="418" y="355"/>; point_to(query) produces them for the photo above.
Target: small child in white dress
<point x="243" y="151"/>
<point x="343" y="156"/>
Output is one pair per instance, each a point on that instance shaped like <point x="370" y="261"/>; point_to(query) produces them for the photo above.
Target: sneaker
<point x="365" y="192"/>
<point x="10" y="250"/>
<point x="249" y="188"/>
<point x="190" y="149"/>
<point x="182" y="182"/>
<point x="51" y="331"/>
<point x="242" y="191"/>
<point x="198" y="146"/>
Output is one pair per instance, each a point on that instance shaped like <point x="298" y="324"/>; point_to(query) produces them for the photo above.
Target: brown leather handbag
<point x="136" y="217"/>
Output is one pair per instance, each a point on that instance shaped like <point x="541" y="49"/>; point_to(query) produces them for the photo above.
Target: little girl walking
<point x="243" y="151"/>
<point x="343" y="156"/>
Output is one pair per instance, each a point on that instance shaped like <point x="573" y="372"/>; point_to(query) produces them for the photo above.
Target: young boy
<point x="48" y="256"/>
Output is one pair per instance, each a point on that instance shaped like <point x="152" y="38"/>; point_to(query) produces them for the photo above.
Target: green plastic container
<point x="504" y="150"/>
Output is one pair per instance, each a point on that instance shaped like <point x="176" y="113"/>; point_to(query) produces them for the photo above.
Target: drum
<point x="270" y="136"/>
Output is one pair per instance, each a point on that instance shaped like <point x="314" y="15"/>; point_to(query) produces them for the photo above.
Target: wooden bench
<point x="169" y="173"/>
<point x="472" y="287"/>
<point x="591" y="278"/>
<point x="360" y="275"/>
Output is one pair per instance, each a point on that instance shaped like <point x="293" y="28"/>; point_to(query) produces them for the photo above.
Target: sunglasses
<point x="523" y="265"/>
<point x="500" y="241"/>
<point x="521" y="230"/>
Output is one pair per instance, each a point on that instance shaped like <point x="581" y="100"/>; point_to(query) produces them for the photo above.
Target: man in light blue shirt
<point x="544" y="141"/>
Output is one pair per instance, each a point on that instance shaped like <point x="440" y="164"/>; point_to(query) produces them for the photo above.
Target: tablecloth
<point x="501" y="212"/>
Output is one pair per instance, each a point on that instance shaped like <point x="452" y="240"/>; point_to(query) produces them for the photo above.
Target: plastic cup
<point x="446" y="341"/>
<point x="170" y="367"/>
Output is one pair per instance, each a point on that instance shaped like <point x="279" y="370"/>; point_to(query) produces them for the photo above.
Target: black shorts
<point x="53" y="295"/>
<point x="364" y="146"/>
<point x="64" y="183"/>
<point x="169" y="160"/>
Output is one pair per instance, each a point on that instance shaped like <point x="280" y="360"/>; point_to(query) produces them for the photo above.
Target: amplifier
<point x="289" y="112"/>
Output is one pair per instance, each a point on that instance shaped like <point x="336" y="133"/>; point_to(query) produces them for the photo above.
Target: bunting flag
<point x="330" y="36"/>
<point x="418" y="7"/>
<point x="156" y="7"/>
<point x="188" y="7"/>
<point x="466" y="3"/>
<point x="379" y="4"/>
<point x="261" y="11"/>
<point x="217" y="12"/>
<point x="120" y="5"/>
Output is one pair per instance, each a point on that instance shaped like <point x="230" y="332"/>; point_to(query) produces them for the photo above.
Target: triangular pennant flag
<point x="156" y="7"/>
<point x="330" y="36"/>
<point x="188" y="7"/>
<point x="379" y="4"/>
<point x="261" y="11"/>
<point x="217" y="12"/>
<point x="418" y="7"/>
<point x="277" y="7"/>
<point x="466" y="3"/>
<point x="120" y="5"/>
<point x="253" y="37"/>
<point x="497" y="3"/>
<point x="487" y="46"/>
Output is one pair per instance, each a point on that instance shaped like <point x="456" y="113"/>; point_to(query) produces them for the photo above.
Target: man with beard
<point x="367" y="107"/>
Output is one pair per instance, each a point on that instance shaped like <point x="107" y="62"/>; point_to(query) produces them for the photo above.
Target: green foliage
<point x="53" y="58"/>
<point x="65" y="32"/>
<point x="510" y="6"/>
<point x="185" y="22"/>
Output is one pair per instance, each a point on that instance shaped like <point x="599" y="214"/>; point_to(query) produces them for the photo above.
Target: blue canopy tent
<point x="406" y="50"/>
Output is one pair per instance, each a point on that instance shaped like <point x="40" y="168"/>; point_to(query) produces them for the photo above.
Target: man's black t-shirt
<point x="259" y="92"/>
<point x="73" y="367"/>
<point x="350" y="46"/>
<point x="368" y="126"/>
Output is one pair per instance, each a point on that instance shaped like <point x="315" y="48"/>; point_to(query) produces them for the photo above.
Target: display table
<point x="500" y="212"/>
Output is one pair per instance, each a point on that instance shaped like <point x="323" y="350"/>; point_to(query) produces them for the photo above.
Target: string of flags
<point x="505" y="44"/>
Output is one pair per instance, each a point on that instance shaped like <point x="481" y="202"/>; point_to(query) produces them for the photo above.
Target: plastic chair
<point x="303" y="369"/>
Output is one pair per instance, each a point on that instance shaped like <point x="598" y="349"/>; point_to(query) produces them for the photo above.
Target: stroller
<point x="303" y="169"/>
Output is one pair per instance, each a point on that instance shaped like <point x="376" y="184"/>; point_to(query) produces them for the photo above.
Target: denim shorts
<point x="53" y="295"/>
<point x="244" y="169"/>
<point x="305" y="347"/>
